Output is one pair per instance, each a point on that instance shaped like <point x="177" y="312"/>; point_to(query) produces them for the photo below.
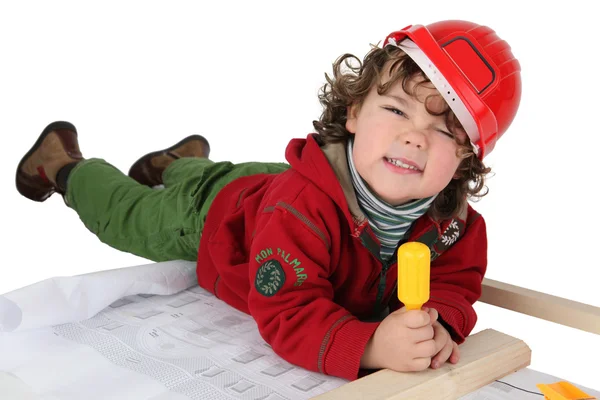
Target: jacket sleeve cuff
<point x="346" y="348"/>
<point x="452" y="319"/>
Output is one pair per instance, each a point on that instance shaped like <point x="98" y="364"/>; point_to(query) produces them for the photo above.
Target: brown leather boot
<point x="56" y="147"/>
<point x="148" y="169"/>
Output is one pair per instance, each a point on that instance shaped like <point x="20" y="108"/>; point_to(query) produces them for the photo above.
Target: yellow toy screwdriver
<point x="414" y="259"/>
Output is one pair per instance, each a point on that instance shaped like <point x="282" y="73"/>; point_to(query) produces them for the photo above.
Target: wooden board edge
<point x="541" y="305"/>
<point x="485" y="357"/>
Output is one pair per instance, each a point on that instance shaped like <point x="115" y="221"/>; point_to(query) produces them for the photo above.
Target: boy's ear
<point x="351" y="118"/>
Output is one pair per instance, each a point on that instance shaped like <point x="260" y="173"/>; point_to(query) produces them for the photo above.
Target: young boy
<point x="309" y="249"/>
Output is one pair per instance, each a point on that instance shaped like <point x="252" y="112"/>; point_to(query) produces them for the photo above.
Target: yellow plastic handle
<point x="414" y="264"/>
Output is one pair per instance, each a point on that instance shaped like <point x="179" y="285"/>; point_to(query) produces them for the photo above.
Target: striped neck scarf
<point x="389" y="223"/>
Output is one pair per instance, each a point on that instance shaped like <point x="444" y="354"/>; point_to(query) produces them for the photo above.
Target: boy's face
<point x="400" y="150"/>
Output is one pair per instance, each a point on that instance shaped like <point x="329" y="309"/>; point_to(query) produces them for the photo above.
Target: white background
<point x="137" y="76"/>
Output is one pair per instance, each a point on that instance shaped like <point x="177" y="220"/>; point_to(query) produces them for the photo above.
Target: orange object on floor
<point x="563" y="391"/>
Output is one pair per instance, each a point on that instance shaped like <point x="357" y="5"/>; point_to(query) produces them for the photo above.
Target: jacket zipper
<point x="385" y="266"/>
<point x="379" y="303"/>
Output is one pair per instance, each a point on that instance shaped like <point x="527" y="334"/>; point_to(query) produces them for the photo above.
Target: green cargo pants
<point x="157" y="224"/>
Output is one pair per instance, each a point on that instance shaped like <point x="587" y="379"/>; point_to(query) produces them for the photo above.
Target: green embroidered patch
<point x="269" y="278"/>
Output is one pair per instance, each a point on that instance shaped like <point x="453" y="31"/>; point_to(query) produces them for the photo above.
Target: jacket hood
<point x="327" y="167"/>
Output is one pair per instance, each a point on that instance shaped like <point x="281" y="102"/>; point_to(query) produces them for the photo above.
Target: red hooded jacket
<point x="294" y="251"/>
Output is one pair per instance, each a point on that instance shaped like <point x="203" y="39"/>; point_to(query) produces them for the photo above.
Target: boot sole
<point x="37" y="189"/>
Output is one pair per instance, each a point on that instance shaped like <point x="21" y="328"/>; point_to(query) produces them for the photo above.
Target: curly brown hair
<point x="350" y="84"/>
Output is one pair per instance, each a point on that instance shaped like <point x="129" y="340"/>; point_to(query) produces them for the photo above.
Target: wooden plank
<point x="541" y="305"/>
<point x="485" y="356"/>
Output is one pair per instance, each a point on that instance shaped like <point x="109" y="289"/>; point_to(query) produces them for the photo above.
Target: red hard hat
<point x="473" y="69"/>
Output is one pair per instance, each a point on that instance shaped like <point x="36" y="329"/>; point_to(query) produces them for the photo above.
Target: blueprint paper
<point x="186" y="345"/>
<point x="156" y="335"/>
<point x="66" y="299"/>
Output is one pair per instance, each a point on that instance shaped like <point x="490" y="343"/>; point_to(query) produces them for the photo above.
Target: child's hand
<point x="404" y="341"/>
<point x="446" y="348"/>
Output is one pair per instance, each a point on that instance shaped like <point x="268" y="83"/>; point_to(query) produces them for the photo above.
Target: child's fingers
<point x="422" y="334"/>
<point x="416" y="319"/>
<point x="441" y="357"/>
<point x="421" y="363"/>
<point x="424" y="349"/>
<point x="455" y="356"/>
<point x="440" y="335"/>
<point x="433" y="313"/>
